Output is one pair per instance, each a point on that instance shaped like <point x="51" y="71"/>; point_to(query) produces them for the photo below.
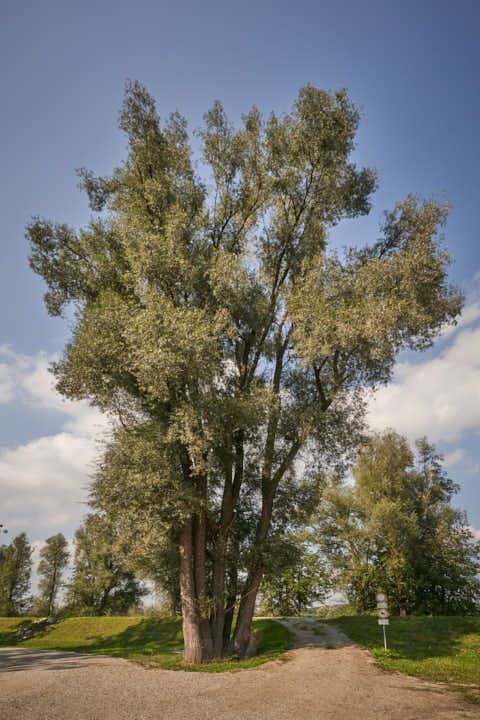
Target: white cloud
<point x="28" y="381"/>
<point x="11" y="368"/>
<point x="470" y="315"/>
<point x="44" y="482"/>
<point x="475" y="532"/>
<point x="7" y="384"/>
<point x="454" y="457"/>
<point x="439" y="398"/>
<point x="39" y="385"/>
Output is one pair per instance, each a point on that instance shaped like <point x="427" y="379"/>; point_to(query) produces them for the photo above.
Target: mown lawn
<point x="155" y="642"/>
<point x="443" y="649"/>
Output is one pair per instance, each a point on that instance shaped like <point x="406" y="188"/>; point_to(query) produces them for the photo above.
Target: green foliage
<point x="395" y="529"/>
<point x="54" y="557"/>
<point x="154" y="642"/>
<point x="442" y="649"/>
<point x="101" y="583"/>
<point x="335" y="611"/>
<point x="291" y="590"/>
<point x="15" y="571"/>
<point x="223" y="337"/>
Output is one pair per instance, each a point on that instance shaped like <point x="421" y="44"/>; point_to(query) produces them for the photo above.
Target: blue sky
<point x="412" y="67"/>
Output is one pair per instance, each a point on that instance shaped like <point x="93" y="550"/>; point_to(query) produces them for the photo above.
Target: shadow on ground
<point x="15" y="659"/>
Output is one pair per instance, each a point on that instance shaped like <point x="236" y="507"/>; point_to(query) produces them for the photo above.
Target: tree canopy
<point x="15" y="571"/>
<point x="54" y="557"/>
<point x="226" y="340"/>
<point x="101" y="583"/>
<point x="295" y="587"/>
<point x="395" y="529"/>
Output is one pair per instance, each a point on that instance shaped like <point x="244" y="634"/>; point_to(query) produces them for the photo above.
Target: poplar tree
<point x="54" y="557"/>
<point x="15" y="571"/>
<point x="396" y="529"/>
<point x="101" y="583"/>
<point x="213" y="323"/>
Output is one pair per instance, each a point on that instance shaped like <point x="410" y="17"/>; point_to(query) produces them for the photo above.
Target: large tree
<point x="396" y="529"/>
<point x="214" y="325"/>
<point x="15" y="571"/>
<point x="54" y="557"/>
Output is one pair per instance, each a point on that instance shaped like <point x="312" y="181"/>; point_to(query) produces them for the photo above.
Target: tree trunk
<point x="190" y="619"/>
<point x="196" y="633"/>
<point x="200" y="573"/>
<point x="227" y="625"/>
<point x="218" y="619"/>
<point x="52" y="593"/>
<point x="241" y="638"/>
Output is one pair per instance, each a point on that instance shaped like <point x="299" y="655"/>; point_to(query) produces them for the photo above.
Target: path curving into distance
<point x="326" y="678"/>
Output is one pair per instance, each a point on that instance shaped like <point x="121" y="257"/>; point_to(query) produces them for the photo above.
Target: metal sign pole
<point x="382" y="612"/>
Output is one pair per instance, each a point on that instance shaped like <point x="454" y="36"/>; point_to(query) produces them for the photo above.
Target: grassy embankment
<point x="155" y="642"/>
<point x="442" y="649"/>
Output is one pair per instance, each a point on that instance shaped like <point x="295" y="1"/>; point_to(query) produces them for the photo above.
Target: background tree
<point x="100" y="584"/>
<point x="54" y="557"/>
<point x="225" y="339"/>
<point x="15" y="571"/>
<point x="396" y="529"/>
<point x="340" y="532"/>
<point x="293" y="589"/>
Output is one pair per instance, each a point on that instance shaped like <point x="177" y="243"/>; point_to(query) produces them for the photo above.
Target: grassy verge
<point x="154" y="642"/>
<point x="442" y="649"/>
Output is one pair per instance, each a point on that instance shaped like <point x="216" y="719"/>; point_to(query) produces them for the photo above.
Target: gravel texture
<point x="327" y="677"/>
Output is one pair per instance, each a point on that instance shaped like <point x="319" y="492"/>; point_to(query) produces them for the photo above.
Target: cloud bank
<point x="439" y="397"/>
<point x="44" y="483"/>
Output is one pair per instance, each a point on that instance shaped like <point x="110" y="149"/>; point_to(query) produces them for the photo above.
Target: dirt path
<point x="327" y="678"/>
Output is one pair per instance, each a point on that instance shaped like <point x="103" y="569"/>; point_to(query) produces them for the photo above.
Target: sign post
<point x="382" y="611"/>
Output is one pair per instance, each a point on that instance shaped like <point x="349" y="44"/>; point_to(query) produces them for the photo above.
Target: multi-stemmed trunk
<point x="208" y="635"/>
<point x="207" y="618"/>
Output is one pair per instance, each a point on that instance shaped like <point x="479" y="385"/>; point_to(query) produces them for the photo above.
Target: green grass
<point x="155" y="642"/>
<point x="7" y="624"/>
<point x="442" y="649"/>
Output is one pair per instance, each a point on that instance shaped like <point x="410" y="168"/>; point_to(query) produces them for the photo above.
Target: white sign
<point x="382" y="605"/>
<point x="383" y="621"/>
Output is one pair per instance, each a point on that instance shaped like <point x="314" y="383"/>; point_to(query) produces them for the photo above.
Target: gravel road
<point x="326" y="678"/>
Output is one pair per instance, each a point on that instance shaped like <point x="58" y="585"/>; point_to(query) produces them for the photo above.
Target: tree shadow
<point x="16" y="659"/>
<point x="150" y="636"/>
